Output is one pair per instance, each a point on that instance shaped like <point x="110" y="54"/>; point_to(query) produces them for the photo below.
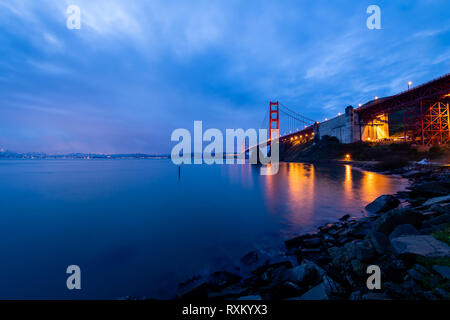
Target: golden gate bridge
<point x="424" y="110"/>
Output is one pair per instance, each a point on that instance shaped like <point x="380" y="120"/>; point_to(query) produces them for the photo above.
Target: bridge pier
<point x="375" y="129"/>
<point x="427" y="123"/>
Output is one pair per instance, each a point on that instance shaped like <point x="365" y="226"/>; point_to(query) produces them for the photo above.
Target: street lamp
<point x="409" y="84"/>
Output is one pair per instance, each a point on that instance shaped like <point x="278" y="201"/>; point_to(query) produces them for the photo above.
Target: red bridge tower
<point x="274" y="129"/>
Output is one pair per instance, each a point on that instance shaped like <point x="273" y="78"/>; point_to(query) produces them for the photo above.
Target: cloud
<point x="138" y="69"/>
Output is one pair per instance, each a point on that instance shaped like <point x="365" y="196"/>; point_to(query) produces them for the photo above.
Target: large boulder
<point x="433" y="189"/>
<point x="311" y="243"/>
<point x="304" y="274"/>
<point x="325" y="290"/>
<point x="192" y="289"/>
<point x="379" y="241"/>
<point x="317" y="293"/>
<point x="444" y="271"/>
<point x="437" y="200"/>
<point x="382" y="204"/>
<point x="360" y="250"/>
<point x="391" y="219"/>
<point x="403" y="230"/>
<point x="419" y="245"/>
<point x="444" y="218"/>
<point x="297" y="241"/>
<point x="221" y="279"/>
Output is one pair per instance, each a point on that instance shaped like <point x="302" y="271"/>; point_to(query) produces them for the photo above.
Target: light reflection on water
<point x="137" y="229"/>
<point x="306" y="195"/>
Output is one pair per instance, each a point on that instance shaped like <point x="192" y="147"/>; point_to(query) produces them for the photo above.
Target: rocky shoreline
<point x="406" y="236"/>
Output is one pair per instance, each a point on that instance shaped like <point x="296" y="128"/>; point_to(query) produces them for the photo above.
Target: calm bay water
<point x="137" y="229"/>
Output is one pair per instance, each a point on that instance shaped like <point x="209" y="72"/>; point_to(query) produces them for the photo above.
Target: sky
<point x="137" y="70"/>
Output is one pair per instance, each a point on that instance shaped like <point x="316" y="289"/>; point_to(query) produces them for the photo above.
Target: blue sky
<point x="136" y="70"/>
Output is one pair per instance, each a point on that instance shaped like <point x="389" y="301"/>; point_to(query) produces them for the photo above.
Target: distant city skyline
<point x="137" y="70"/>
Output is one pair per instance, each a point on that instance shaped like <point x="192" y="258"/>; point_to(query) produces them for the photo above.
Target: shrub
<point x="435" y="152"/>
<point x="392" y="164"/>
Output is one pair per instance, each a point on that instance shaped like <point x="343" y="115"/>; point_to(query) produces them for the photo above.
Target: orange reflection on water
<point x="304" y="194"/>
<point x="373" y="185"/>
<point x="293" y="186"/>
<point x="300" y="191"/>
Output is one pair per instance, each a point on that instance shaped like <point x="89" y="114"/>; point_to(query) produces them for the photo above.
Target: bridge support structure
<point x="274" y="121"/>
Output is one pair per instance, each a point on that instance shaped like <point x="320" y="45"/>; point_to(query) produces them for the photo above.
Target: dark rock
<point x="379" y="241"/>
<point x="416" y="275"/>
<point x="289" y="289"/>
<point x="430" y="189"/>
<point x="304" y="274"/>
<point x="356" y="295"/>
<point x="443" y="271"/>
<point x="360" y="250"/>
<point x="193" y="289"/>
<point x="413" y="174"/>
<point x="338" y="256"/>
<point x="327" y="228"/>
<point x="311" y="243"/>
<point x="231" y="292"/>
<point x="344" y="240"/>
<point x="250" y="258"/>
<point x="383" y="203"/>
<point x="419" y="245"/>
<point x="428" y="295"/>
<point x="332" y="288"/>
<point x="283" y="264"/>
<point x="319" y="292"/>
<point x="413" y="291"/>
<point x="393" y="269"/>
<point x="445" y="218"/>
<point x="442" y="209"/>
<point x="307" y="252"/>
<point x="281" y="290"/>
<point x="375" y="296"/>
<point x="221" y="279"/>
<point x="436" y="200"/>
<point x="403" y="230"/>
<point x="297" y="241"/>
<point x="395" y="291"/>
<point x="254" y="297"/>
<point x="323" y="259"/>
<point x="345" y="217"/>
<point x="391" y="219"/>
<point x="441" y="293"/>
<point x="426" y="230"/>
<point x="358" y="267"/>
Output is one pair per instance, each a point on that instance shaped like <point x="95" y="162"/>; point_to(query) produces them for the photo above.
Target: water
<point x="136" y="229"/>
